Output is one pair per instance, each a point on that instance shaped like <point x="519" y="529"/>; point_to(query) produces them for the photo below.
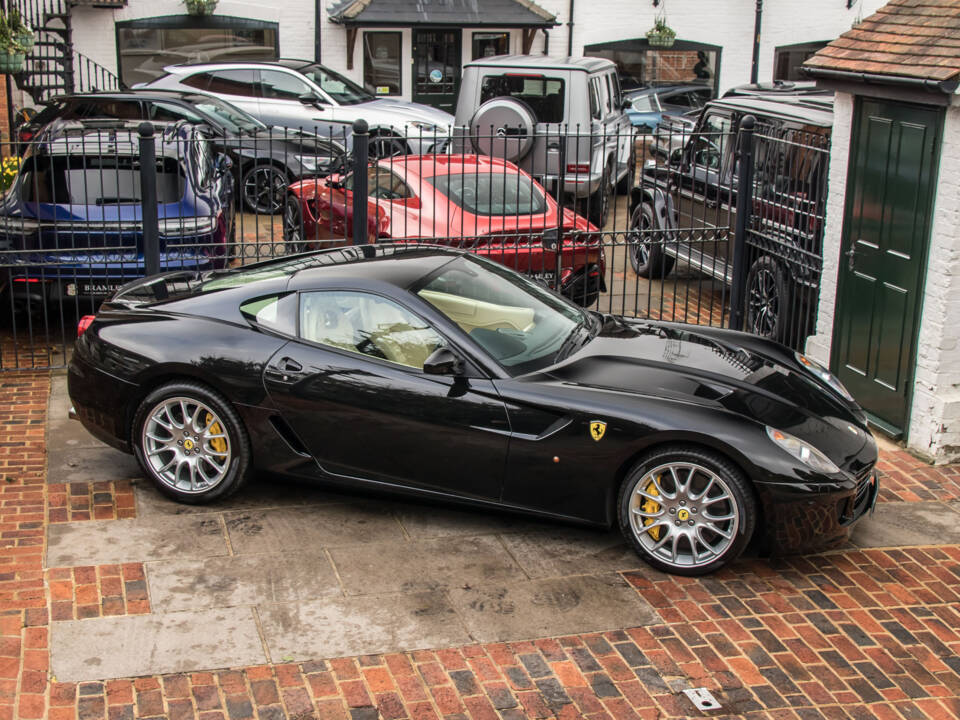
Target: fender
<point x="664" y="212"/>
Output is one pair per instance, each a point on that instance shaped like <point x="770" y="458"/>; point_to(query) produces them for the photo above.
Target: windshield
<point x="491" y="193"/>
<point x="520" y="324"/>
<point x="234" y="118"/>
<point x="345" y="92"/>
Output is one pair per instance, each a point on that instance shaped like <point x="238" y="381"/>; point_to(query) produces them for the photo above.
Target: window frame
<point x="363" y="45"/>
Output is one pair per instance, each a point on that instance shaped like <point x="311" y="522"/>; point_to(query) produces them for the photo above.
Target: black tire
<point x="293" y="232"/>
<point x="673" y="519"/>
<point x="647" y="259"/>
<point x="766" y="299"/>
<point x="601" y="199"/>
<point x="262" y="189"/>
<point x="237" y="466"/>
<point x="626" y="182"/>
<point x="385" y="144"/>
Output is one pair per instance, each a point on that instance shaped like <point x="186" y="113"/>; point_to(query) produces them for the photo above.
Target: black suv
<point x="685" y="207"/>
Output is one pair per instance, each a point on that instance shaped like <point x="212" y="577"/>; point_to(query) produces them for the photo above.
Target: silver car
<point x="555" y="118"/>
<point x="304" y="95"/>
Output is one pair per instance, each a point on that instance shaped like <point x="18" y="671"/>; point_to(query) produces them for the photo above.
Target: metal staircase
<point x="53" y="67"/>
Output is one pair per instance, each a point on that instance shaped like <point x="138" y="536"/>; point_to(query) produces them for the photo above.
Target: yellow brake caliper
<point x="218" y="444"/>
<point x="651" y="506"/>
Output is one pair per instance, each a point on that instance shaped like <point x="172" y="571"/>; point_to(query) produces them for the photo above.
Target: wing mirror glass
<point x="443" y="361"/>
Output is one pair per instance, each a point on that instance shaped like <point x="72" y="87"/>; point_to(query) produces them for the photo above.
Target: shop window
<point x="641" y="66"/>
<point x="146" y="46"/>
<point x="381" y="62"/>
<point x="486" y="44"/>
<point x="788" y="59"/>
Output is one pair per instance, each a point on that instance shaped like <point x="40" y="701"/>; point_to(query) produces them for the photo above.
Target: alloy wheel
<point x="684" y="515"/>
<point x="763" y="303"/>
<point x="263" y="189"/>
<point x="186" y="445"/>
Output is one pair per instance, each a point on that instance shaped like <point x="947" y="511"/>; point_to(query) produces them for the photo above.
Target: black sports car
<point x="438" y="373"/>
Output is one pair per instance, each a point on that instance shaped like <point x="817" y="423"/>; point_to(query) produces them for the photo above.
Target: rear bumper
<point x="100" y="402"/>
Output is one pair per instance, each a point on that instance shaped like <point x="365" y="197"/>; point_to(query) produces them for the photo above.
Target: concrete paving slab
<point x="113" y="541"/>
<point x="360" y="626"/>
<point x="549" y="607"/>
<point x="240" y="580"/>
<point x="261" y="493"/>
<point x="558" y="551"/>
<point x="433" y="521"/>
<point x="113" y="647"/>
<point x="425" y="565"/>
<point x="895" y="524"/>
<point x="311" y="528"/>
<point x="90" y="464"/>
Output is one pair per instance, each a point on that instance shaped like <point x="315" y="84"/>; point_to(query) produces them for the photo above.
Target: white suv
<point x="304" y="95"/>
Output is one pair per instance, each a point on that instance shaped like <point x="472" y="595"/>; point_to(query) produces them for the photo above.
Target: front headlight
<point x="181" y="226"/>
<point x="825" y="376"/>
<point x="309" y="162"/>
<point x="424" y="127"/>
<point x="803" y="451"/>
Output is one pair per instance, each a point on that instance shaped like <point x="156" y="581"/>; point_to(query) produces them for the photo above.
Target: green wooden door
<point x="436" y="67"/>
<point x="890" y="189"/>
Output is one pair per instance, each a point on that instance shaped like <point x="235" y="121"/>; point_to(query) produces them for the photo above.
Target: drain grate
<point x="702" y="698"/>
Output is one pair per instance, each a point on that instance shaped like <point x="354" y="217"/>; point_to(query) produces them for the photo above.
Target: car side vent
<point x="288" y="435"/>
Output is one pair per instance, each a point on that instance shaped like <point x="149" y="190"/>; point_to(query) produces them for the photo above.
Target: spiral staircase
<point x="53" y="67"/>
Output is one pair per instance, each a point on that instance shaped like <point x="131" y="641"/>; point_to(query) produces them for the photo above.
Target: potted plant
<point x="200" y="7"/>
<point x="21" y="30"/>
<point x="16" y="40"/>
<point x="661" y="35"/>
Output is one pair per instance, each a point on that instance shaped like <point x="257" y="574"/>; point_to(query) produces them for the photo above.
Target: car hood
<point x="723" y="369"/>
<point x="401" y="113"/>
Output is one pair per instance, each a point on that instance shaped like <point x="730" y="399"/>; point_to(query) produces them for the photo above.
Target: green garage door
<point x="890" y="190"/>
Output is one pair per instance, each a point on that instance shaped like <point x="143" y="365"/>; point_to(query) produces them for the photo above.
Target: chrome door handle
<point x="851" y="254"/>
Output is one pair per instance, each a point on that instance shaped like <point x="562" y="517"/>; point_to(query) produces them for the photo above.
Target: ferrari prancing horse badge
<point x="597" y="429"/>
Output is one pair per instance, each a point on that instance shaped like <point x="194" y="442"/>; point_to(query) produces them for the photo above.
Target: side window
<point x="279" y="85"/>
<point x="115" y="109"/>
<point x="617" y="91"/>
<point x="201" y="81"/>
<point x="274" y="312"/>
<point x="233" y="82"/>
<point x="385" y="185"/>
<point x="167" y="112"/>
<point x="366" y="324"/>
<point x="595" y="112"/>
<point x="608" y="86"/>
<point x="712" y="143"/>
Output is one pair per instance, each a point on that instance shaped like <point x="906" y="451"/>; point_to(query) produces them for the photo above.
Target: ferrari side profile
<point x="435" y="372"/>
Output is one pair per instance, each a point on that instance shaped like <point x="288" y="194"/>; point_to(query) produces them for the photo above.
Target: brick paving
<point x="856" y="633"/>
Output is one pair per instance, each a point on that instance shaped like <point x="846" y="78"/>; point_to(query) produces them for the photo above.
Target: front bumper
<point x="801" y="520"/>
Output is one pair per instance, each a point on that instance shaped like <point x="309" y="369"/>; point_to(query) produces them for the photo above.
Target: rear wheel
<point x="263" y="187"/>
<point x="190" y="442"/>
<point x="601" y="199"/>
<point x="293" y="234"/>
<point x="686" y="510"/>
<point x="768" y="299"/>
<point x="626" y="182"/>
<point x="645" y="249"/>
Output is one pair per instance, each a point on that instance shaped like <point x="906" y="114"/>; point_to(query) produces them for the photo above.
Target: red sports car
<point x="480" y="203"/>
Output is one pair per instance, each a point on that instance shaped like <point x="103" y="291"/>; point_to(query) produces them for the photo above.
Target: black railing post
<point x="360" y="159"/>
<point x="744" y="209"/>
<point x="148" y="195"/>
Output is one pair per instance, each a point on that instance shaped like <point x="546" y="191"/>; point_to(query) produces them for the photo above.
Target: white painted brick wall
<point x="934" y="423"/>
<point x="728" y="23"/>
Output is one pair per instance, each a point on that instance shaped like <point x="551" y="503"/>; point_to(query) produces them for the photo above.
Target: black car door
<point x="353" y="389"/>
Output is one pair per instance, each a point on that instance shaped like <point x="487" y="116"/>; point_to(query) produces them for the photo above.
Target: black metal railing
<point x="652" y="226"/>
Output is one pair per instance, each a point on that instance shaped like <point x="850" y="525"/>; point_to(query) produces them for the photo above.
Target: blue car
<point x="648" y="106"/>
<point x="71" y="224"/>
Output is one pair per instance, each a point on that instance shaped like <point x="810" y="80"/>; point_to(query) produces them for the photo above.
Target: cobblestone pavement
<point x="867" y="631"/>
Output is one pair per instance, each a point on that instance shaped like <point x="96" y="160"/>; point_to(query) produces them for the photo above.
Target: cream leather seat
<point x="390" y="331"/>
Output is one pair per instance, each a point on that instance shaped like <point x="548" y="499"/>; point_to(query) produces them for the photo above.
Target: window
<point x="544" y="95"/>
<point x="274" y="312"/>
<point x="117" y="109"/>
<point x="641" y="66"/>
<point x="381" y="63"/>
<point x="225" y="82"/>
<point x="367" y="324"/>
<point x="712" y="144"/>
<point x="168" y="112"/>
<point x="492" y="193"/>
<point x="596" y="111"/>
<point x="788" y="59"/>
<point x="489" y="44"/>
<point x="342" y="90"/>
<point x="95" y="180"/>
<point x="146" y="46"/>
<point x="279" y="85"/>
<point x="382" y="184"/>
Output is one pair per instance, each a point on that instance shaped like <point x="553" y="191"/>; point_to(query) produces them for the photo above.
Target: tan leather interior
<point x="471" y="314"/>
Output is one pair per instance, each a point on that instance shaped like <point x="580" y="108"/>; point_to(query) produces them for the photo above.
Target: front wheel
<point x="384" y="145"/>
<point x="767" y="299"/>
<point x="293" y="233"/>
<point x="191" y="443"/>
<point x="263" y="188"/>
<point x="601" y="199"/>
<point x="686" y="510"/>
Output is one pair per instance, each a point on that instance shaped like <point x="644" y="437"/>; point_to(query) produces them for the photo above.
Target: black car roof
<point x="810" y="110"/>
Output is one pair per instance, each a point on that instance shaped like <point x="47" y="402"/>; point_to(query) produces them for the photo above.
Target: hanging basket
<point x="200" y="8"/>
<point x="661" y="37"/>
<point x="25" y="41"/>
<point x="11" y="63"/>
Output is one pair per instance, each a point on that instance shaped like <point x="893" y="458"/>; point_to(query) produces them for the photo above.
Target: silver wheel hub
<point x="684" y="514"/>
<point x="186" y="445"/>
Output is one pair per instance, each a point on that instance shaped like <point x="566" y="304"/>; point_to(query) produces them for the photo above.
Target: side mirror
<point x="443" y="361"/>
<point x="222" y="165"/>
<point x="626" y="105"/>
<point x="310" y="98"/>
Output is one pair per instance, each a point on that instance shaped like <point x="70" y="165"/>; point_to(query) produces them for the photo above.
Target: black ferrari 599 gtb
<point x="437" y="373"/>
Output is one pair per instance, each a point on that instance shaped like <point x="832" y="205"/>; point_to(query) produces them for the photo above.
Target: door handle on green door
<point x="851" y="254"/>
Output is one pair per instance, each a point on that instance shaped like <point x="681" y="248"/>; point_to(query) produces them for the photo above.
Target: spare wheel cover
<point x="503" y="127"/>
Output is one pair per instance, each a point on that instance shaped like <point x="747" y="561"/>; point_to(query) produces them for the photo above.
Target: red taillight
<point x="26" y="135"/>
<point x="84" y="324"/>
<point x="578" y="168"/>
